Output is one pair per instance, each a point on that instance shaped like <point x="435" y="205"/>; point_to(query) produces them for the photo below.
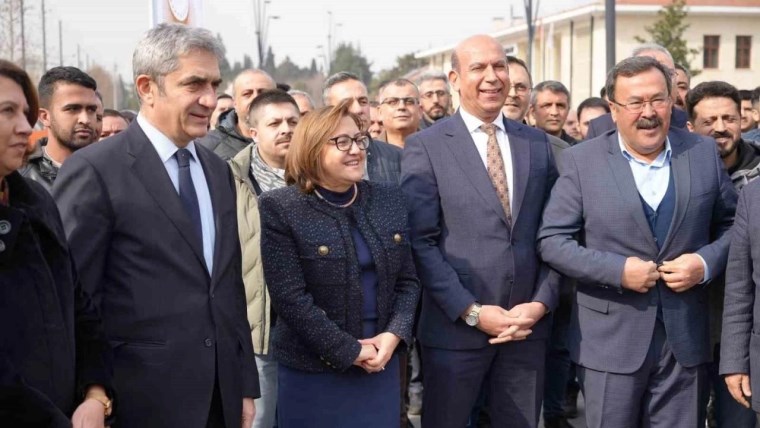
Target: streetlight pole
<point x="261" y="21"/>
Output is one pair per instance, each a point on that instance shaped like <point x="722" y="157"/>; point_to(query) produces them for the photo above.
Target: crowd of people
<point x="252" y="259"/>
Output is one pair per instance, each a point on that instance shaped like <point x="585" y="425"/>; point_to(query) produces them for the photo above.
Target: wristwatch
<point x="473" y="317"/>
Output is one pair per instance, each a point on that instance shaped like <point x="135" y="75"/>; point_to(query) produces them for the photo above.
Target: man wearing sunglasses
<point x="399" y="110"/>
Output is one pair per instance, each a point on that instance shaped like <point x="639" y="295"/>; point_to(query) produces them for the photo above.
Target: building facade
<point x="570" y="46"/>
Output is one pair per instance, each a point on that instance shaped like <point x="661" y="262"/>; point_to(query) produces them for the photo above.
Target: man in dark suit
<point x="151" y="220"/>
<point x="678" y="117"/>
<point x="739" y="357"/>
<point x="653" y="207"/>
<point x="476" y="185"/>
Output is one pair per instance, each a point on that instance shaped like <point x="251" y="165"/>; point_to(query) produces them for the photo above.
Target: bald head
<point x="247" y="86"/>
<point x="480" y="75"/>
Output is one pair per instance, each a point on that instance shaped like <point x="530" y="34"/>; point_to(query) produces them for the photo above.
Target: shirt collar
<point x="473" y="123"/>
<point x="163" y="145"/>
<point x="661" y="160"/>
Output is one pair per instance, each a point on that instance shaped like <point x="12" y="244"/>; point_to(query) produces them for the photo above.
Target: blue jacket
<point x="313" y="273"/>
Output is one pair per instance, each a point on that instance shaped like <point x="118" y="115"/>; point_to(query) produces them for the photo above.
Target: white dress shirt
<point x="166" y="150"/>
<point x="480" y="138"/>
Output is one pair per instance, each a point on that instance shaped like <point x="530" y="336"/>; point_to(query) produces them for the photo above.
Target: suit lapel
<point x="151" y="172"/>
<point x="519" y="147"/>
<point x="680" y="167"/>
<point x="216" y="185"/>
<point x="460" y="143"/>
<point x="629" y="194"/>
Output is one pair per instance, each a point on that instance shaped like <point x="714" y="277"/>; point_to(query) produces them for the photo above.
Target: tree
<point x="668" y="31"/>
<point x="269" y="65"/>
<point x="348" y="58"/>
<point x="313" y="68"/>
<point x="404" y="64"/>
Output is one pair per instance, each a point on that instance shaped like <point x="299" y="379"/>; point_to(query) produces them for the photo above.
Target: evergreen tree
<point x="348" y="58"/>
<point x="313" y="69"/>
<point x="668" y="31"/>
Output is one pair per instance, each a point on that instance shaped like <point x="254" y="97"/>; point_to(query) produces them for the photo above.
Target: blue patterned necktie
<point x="187" y="192"/>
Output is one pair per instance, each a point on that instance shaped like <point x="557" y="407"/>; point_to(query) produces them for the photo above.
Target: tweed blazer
<point x="313" y="274"/>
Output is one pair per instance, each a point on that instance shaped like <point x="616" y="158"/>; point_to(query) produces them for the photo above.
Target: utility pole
<point x="23" y="39"/>
<point x="114" y="80"/>
<point x="530" y="18"/>
<point x="44" y="40"/>
<point x="329" y="41"/>
<point x="609" y="25"/>
<point x="261" y="21"/>
<point x="12" y="46"/>
<point x="60" y="43"/>
<point x="79" y="57"/>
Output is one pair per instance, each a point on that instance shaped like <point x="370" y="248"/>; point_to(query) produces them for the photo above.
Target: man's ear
<point x="146" y="89"/>
<point x="44" y="117"/>
<point x="690" y="126"/>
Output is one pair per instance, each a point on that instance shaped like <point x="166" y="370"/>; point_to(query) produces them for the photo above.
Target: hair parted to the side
<point x="157" y="53"/>
<point x="303" y="163"/>
<point x="13" y="72"/>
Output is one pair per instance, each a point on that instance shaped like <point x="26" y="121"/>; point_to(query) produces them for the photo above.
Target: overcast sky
<point x="107" y="30"/>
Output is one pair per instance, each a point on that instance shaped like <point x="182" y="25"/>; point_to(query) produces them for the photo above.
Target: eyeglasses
<point x="393" y="102"/>
<point x="344" y="142"/>
<point x="429" y="94"/>
<point x="638" y="106"/>
<point x="520" y="88"/>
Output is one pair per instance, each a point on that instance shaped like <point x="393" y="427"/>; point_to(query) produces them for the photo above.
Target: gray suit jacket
<point x="596" y="196"/>
<point x="463" y="247"/>
<point x="740" y="340"/>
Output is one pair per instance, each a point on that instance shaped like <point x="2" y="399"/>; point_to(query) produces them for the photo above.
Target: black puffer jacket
<point x="225" y="141"/>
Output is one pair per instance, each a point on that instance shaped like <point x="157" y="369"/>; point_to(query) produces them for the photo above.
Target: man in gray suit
<point x="739" y="354"/>
<point x="652" y="206"/>
<point x="476" y="185"/>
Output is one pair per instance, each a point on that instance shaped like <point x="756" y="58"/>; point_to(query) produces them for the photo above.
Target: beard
<point x="70" y="139"/>
<point x="728" y="149"/>
<point x="436" y="112"/>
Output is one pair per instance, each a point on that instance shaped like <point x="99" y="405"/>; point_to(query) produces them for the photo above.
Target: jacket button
<point x="2" y="246"/>
<point x="397" y="238"/>
<point x="5" y="227"/>
<point x="323" y="250"/>
<point x="208" y="343"/>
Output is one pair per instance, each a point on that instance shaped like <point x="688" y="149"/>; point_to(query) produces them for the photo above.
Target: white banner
<point x="188" y="12"/>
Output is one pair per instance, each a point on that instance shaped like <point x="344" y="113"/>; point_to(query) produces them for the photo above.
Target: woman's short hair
<point x="303" y="163"/>
<point x="15" y="73"/>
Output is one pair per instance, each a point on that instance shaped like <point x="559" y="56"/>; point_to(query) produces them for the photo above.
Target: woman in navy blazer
<point x="338" y="264"/>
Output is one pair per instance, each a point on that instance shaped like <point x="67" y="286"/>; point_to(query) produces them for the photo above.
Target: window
<point x="743" y="50"/>
<point x="712" y="44"/>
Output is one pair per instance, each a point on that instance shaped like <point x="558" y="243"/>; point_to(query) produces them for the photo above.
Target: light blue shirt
<point x="166" y="150"/>
<point x="652" y="180"/>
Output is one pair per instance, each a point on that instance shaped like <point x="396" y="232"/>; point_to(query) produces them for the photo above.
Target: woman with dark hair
<point x="338" y="264"/>
<point x="54" y="359"/>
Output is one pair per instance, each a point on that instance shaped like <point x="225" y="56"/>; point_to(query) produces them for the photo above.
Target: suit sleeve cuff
<point x="707" y="269"/>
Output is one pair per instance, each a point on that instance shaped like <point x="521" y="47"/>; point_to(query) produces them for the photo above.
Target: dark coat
<point x="225" y="140"/>
<point x="383" y="162"/>
<point x="313" y="273"/>
<point x="40" y="167"/>
<point x="175" y="329"/>
<point x="740" y="340"/>
<point x="52" y="344"/>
